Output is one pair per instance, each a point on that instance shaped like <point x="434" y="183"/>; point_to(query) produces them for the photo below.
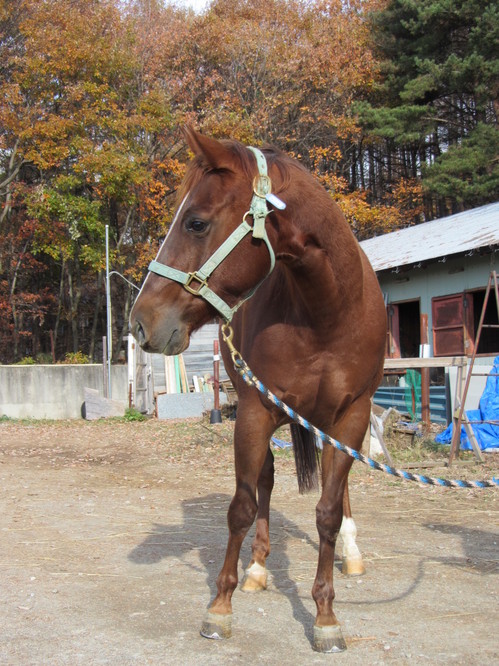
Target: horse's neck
<point x="322" y="273"/>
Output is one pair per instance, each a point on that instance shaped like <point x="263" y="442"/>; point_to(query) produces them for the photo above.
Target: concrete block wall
<point x="54" y="391"/>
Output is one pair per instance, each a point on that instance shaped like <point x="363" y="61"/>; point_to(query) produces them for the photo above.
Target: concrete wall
<point x="54" y="391"/>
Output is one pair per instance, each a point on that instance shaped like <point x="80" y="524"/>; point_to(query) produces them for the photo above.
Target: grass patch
<point x="132" y="414"/>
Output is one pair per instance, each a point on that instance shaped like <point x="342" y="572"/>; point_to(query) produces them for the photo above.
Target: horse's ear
<point x="214" y="153"/>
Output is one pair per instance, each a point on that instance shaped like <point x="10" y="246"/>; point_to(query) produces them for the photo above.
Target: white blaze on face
<point x="177" y="215"/>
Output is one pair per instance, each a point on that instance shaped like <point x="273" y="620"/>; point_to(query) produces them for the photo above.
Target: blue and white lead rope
<point x="244" y="371"/>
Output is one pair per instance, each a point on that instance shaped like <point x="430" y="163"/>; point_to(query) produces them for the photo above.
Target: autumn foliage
<point x="93" y="94"/>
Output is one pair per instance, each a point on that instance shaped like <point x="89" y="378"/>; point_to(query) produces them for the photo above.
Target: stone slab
<point x="185" y="405"/>
<point x="97" y="407"/>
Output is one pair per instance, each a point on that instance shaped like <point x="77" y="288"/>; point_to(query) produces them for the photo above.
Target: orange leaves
<point x="144" y="252"/>
<point x="93" y="92"/>
<point x="47" y="141"/>
<point x="369" y="219"/>
<point x="155" y="198"/>
<point x="407" y="196"/>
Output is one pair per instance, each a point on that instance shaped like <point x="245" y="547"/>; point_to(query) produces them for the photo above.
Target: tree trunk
<point x="59" y="303"/>
<point x="13" y="286"/>
<point x="74" y="300"/>
<point x="98" y="303"/>
<point x="13" y="170"/>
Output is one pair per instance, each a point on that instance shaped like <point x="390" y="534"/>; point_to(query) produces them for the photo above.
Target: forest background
<point x="392" y="104"/>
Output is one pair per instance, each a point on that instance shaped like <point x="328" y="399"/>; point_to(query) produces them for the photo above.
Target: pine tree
<point x="436" y="111"/>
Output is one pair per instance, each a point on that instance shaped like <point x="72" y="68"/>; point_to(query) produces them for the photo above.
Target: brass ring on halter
<point x="248" y="212"/>
<point x="262" y="185"/>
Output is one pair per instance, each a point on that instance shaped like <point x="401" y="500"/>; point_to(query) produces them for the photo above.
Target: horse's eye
<point x="197" y="226"/>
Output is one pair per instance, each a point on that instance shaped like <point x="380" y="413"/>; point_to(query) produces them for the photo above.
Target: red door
<point x="452" y="325"/>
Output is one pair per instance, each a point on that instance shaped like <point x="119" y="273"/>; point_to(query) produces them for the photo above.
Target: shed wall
<point x="453" y="276"/>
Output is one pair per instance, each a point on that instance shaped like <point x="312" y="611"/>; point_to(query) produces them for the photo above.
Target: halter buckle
<point x="194" y="277"/>
<point x="262" y="185"/>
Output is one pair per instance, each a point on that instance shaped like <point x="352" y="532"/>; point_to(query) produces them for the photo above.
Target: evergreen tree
<point x="435" y="115"/>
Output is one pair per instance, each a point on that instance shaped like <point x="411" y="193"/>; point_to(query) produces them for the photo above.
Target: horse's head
<point x="214" y="254"/>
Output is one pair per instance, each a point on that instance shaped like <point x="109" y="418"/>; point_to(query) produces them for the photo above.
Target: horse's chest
<point x="309" y="385"/>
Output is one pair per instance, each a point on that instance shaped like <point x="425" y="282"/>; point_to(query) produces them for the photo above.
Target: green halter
<point x="196" y="283"/>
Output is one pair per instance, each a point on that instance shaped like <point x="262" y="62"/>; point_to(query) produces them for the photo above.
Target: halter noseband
<point x="196" y="283"/>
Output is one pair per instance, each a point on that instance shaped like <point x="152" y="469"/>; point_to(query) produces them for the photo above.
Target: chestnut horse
<point x="313" y="332"/>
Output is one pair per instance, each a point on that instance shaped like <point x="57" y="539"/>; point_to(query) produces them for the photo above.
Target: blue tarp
<point x="487" y="434"/>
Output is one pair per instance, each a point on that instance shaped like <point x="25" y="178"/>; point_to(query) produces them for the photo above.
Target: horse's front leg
<point x="251" y="442"/>
<point x="329" y="513"/>
<point x="256" y="573"/>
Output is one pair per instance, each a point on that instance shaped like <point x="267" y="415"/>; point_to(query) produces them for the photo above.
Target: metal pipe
<point x="109" y="318"/>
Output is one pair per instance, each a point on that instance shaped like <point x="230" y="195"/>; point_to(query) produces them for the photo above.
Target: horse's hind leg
<point x="256" y="573"/>
<point x="352" y="564"/>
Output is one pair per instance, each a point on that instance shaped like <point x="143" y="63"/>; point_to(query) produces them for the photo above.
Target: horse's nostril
<point x="138" y="333"/>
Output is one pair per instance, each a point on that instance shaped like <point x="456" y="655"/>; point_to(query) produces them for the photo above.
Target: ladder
<point x="460" y="417"/>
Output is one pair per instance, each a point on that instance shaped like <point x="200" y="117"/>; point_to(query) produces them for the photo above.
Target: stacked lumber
<point x="176" y="375"/>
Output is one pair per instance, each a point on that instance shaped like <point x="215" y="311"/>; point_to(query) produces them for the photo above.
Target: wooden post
<point x="456" y="415"/>
<point x="425" y="375"/>
<point x="52" y="345"/>
<point x="216" y="374"/>
<point x="216" y="414"/>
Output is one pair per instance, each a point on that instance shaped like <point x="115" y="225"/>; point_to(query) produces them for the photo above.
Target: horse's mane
<point x="197" y="168"/>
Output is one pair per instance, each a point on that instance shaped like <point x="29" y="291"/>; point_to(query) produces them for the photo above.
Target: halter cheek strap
<point x="196" y="283"/>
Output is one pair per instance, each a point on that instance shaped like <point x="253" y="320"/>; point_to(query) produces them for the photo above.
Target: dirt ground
<point x="112" y="534"/>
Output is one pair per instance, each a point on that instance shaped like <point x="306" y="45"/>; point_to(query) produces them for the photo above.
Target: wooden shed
<point x="439" y="269"/>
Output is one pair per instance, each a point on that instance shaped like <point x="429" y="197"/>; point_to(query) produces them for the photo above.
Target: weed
<point x="132" y="414"/>
<point x="76" y="358"/>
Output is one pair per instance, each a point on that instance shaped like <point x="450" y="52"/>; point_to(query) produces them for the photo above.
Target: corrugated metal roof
<point x="458" y="233"/>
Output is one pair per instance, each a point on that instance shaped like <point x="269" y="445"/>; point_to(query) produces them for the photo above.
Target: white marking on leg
<point x="256" y="578"/>
<point x="256" y="570"/>
<point x="348" y="533"/>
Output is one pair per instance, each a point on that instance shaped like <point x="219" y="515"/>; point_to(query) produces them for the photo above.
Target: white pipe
<point x="109" y="319"/>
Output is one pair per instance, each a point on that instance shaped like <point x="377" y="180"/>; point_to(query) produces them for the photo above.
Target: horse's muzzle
<point x="163" y="335"/>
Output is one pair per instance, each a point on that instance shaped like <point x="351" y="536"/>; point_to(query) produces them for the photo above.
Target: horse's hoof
<point x="328" y="639"/>
<point x="353" y="566"/>
<point x="255" y="578"/>
<point x="216" y="626"/>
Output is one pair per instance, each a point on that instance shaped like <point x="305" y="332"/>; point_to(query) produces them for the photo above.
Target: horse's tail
<point x="306" y="457"/>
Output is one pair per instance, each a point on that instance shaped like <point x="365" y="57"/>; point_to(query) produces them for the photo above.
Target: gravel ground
<point x="113" y="534"/>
